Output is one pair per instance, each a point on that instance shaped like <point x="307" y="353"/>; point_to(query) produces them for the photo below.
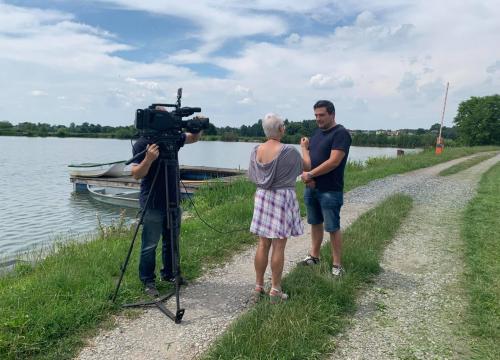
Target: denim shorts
<point x="324" y="207"/>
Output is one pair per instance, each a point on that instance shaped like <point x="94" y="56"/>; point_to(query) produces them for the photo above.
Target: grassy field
<point x="465" y="164"/>
<point x="318" y="304"/>
<point x="48" y="308"/>
<point x="481" y="226"/>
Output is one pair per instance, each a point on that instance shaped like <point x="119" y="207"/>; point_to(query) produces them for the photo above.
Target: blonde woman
<point x="274" y="168"/>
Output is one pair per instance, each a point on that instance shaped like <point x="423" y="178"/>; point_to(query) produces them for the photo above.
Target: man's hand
<point x="304" y="143"/>
<point x="152" y="152"/>
<point x="306" y="176"/>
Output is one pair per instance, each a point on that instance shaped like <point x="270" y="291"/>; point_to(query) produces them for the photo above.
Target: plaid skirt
<point x="276" y="214"/>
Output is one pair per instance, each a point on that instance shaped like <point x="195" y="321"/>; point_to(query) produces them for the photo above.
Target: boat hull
<point x="116" y="169"/>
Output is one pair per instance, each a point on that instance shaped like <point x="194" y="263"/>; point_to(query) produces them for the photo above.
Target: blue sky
<point x="385" y="64"/>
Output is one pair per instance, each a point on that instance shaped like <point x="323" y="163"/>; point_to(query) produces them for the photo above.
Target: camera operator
<point x="154" y="222"/>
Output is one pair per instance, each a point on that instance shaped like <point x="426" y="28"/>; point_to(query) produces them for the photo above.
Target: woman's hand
<point x="304" y="143"/>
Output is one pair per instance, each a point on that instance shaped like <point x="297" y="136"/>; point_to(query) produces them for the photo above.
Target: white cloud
<point x="38" y="93"/>
<point x="327" y="81"/>
<point x="293" y="39"/>
<point x="389" y="57"/>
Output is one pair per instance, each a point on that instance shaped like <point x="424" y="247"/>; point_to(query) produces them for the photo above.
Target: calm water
<point x="38" y="205"/>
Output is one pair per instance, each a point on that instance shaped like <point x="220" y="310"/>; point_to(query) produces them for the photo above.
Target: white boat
<point x="112" y="169"/>
<point x="115" y="196"/>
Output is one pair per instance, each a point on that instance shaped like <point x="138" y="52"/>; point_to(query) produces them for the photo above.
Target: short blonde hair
<point x="271" y="125"/>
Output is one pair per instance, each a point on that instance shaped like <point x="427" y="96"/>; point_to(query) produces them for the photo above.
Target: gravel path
<point x="415" y="307"/>
<point x="213" y="301"/>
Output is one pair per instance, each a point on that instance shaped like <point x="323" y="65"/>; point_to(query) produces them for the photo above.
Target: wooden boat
<point x="112" y="169"/>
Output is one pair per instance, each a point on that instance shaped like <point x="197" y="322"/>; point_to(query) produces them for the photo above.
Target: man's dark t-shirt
<point x="157" y="200"/>
<point x="320" y="146"/>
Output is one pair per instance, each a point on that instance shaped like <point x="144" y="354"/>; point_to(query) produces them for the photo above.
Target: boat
<point x="124" y="190"/>
<point x="115" y="195"/>
<point x="120" y="196"/>
<point x="112" y="169"/>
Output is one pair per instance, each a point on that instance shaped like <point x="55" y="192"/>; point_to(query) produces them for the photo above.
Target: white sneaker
<point x="337" y="271"/>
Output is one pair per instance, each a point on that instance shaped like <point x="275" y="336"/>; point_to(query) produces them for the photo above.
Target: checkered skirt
<point x="276" y="214"/>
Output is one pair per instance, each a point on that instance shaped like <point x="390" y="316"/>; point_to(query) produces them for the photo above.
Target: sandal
<point x="276" y="296"/>
<point x="310" y="260"/>
<point x="258" y="293"/>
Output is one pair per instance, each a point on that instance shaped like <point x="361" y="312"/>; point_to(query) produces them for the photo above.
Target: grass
<point x="480" y="230"/>
<point x="302" y="328"/>
<point x="47" y="309"/>
<point x="464" y="165"/>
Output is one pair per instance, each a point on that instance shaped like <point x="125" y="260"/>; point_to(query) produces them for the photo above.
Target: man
<point x="155" y="217"/>
<point x="325" y="157"/>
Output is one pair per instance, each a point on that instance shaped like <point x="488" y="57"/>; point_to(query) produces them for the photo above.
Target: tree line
<point x="477" y="123"/>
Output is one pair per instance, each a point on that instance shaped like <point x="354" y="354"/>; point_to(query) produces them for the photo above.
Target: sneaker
<point x="171" y="280"/>
<point x="310" y="260"/>
<point x="337" y="271"/>
<point x="151" y="290"/>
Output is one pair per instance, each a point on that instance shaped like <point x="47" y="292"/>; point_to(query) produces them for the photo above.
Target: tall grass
<point x="302" y="327"/>
<point x="480" y="230"/>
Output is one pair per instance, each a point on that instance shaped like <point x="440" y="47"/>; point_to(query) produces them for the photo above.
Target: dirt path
<point x="213" y="301"/>
<point x="415" y="308"/>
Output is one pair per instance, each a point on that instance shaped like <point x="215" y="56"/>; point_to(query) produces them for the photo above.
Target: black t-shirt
<point x="157" y="200"/>
<point x="321" y="145"/>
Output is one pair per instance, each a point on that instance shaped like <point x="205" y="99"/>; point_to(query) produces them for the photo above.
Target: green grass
<point x="48" y="308"/>
<point x="480" y="230"/>
<point x="464" y="165"/>
<point x="302" y="327"/>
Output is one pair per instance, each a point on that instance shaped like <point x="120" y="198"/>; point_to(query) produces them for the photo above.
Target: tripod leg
<point x="125" y="264"/>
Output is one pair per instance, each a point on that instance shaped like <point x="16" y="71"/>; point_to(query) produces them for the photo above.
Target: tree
<point x="478" y="120"/>
<point x="6" y="125"/>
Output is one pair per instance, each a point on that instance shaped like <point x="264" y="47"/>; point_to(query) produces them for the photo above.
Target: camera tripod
<point x="169" y="163"/>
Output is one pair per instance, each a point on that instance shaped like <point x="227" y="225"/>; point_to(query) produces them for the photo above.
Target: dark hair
<point x="330" y="108"/>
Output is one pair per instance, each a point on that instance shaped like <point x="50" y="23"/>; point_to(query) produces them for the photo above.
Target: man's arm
<point x="333" y="161"/>
<point x="141" y="170"/>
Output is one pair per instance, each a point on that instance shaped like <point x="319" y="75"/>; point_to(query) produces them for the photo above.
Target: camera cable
<point x="203" y="221"/>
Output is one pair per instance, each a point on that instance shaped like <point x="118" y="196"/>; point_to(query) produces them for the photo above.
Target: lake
<point x="38" y="205"/>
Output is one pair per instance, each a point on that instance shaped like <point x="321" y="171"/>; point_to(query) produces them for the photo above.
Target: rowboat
<point x="124" y="190"/>
<point x="123" y="196"/>
<point x="112" y="169"/>
<point x="115" y="196"/>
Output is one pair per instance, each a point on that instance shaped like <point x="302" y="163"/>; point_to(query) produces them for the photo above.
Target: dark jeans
<point x="154" y="226"/>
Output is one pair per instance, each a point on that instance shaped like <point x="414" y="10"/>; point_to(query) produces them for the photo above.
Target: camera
<point x="152" y="121"/>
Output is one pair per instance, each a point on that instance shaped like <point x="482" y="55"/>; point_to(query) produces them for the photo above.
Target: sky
<point x="384" y="64"/>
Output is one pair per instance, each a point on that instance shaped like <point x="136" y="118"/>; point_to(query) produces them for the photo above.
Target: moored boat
<point x="115" y="196"/>
<point x="112" y="169"/>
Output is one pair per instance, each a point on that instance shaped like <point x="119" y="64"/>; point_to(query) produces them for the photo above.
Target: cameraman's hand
<point x="152" y="152"/>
